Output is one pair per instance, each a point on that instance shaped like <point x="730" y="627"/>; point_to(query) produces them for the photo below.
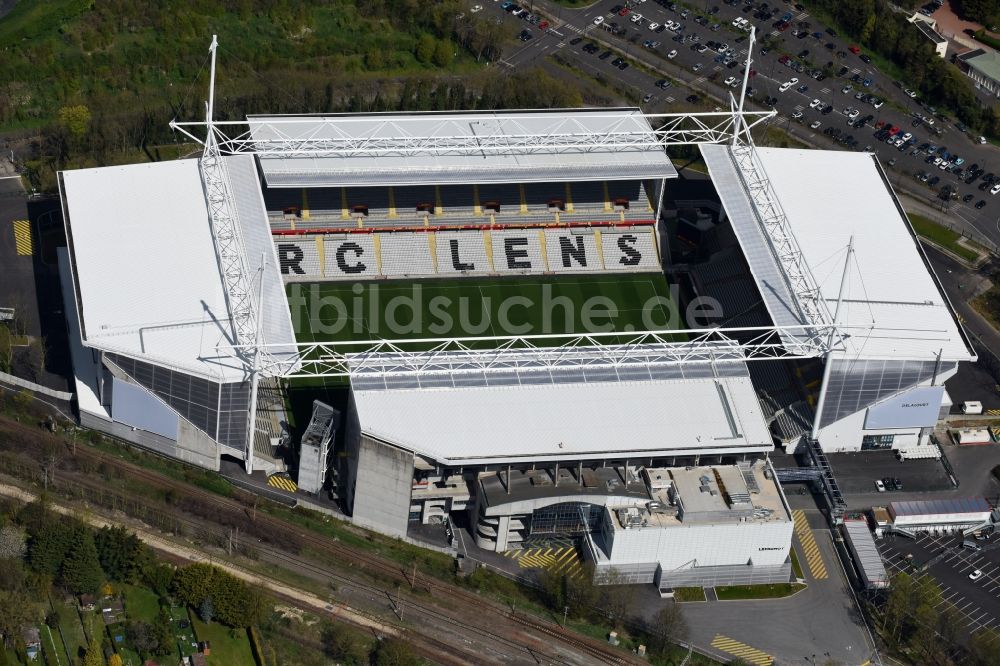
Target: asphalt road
<point x="568" y="24"/>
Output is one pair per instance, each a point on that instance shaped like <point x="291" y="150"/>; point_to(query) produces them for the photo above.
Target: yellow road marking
<point x="282" y="483"/>
<point x="814" y="559"/>
<point x="22" y="238"/>
<point x="742" y="650"/>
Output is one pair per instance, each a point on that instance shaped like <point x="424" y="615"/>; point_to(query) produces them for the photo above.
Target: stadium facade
<point x="647" y="446"/>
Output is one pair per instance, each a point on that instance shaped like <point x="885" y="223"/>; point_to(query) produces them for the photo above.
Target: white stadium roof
<point x="893" y="307"/>
<point x="145" y="272"/>
<point x="458" y="147"/>
<point x="477" y="425"/>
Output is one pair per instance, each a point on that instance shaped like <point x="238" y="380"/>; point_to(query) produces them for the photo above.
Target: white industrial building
<point x="702" y="526"/>
<point x="940" y="516"/>
<point x="175" y="278"/>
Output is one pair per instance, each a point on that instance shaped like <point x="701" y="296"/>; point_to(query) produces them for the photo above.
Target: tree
<point x="342" y="644"/>
<point x="206" y="611"/>
<point x="16" y="610"/>
<point x="426" y="46"/>
<point x="81" y="570"/>
<point x="984" y="646"/>
<point x="668" y="626"/>
<point x="142" y="636"/>
<point x="392" y="652"/>
<point x="618" y="597"/>
<point x="581" y="593"/>
<point x="444" y="53"/>
<point x="13" y="543"/>
<point x="115" y="660"/>
<point x="234" y="602"/>
<point x="48" y="544"/>
<point x="94" y="655"/>
<point x="158" y="576"/>
<point x="163" y="634"/>
<point x="76" y="119"/>
<point x="120" y="553"/>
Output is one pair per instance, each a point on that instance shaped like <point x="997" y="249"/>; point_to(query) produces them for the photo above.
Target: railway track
<point x="492" y="616"/>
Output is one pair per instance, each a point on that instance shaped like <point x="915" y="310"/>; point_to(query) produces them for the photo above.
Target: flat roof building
<point x="928" y="28"/>
<point x="983" y="67"/>
<point x="705" y="526"/>
<point x="946" y="515"/>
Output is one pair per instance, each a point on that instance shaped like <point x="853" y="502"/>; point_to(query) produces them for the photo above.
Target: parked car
<point x="975" y="575"/>
<point x="879" y="486"/>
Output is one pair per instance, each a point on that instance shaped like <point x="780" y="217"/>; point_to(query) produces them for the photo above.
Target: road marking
<point x="814" y="559"/>
<point x="742" y="650"/>
<point x="282" y="483"/>
<point x="564" y="560"/>
<point x="22" y="238"/>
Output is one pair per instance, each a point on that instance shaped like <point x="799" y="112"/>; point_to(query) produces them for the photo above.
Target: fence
<point x="37" y="388"/>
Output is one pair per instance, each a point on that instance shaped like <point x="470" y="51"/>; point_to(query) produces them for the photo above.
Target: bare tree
<point x="668" y="626"/>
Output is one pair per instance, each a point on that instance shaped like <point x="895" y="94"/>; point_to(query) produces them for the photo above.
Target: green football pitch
<point x="491" y="307"/>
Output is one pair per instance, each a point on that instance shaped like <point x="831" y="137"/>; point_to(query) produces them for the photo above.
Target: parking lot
<point x="683" y="45"/>
<point x="978" y="602"/>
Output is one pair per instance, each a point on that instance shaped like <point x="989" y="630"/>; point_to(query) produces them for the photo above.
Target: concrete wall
<point x="193" y="446"/>
<point x="380" y="486"/>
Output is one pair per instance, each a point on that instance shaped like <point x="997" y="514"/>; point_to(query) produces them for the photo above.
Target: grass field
<point x="940" y="235"/>
<point x="141" y="603"/>
<point x="230" y="647"/>
<point x="72" y="629"/>
<point x="402" y="310"/>
<point x="689" y="594"/>
<point x="740" y="592"/>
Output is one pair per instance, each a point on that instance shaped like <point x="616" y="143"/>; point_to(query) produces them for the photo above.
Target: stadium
<point x="521" y="321"/>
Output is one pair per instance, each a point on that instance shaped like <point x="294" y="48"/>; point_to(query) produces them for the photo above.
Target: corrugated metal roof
<point x="434" y="148"/>
<point x="144" y="265"/>
<point x="774" y="288"/>
<point x="868" y="558"/>
<point x="145" y="270"/>
<point x="940" y="506"/>
<point x="276" y="319"/>
<point x="550" y="421"/>
<point x="892" y="306"/>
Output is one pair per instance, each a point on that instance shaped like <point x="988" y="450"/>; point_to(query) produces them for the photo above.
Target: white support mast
<point x="237" y="278"/>
<point x="828" y="359"/>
